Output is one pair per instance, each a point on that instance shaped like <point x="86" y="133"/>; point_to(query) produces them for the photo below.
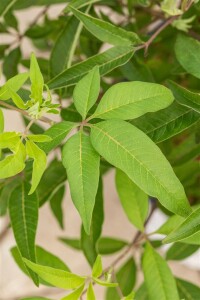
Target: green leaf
<point x="134" y="201"/>
<point x="107" y="245"/>
<point x="89" y="242"/>
<point x="73" y="243"/>
<point x="142" y="293"/>
<point x="187" y="290"/>
<point x="180" y="251"/>
<point x="90" y="293"/>
<point x="24" y="218"/>
<point x="164" y="124"/>
<point x="5" y="5"/>
<point x="15" y="163"/>
<point x="190" y="59"/>
<point x="106" y="32"/>
<point x="115" y="141"/>
<point x="43" y="258"/>
<point x="57" y="133"/>
<point x="130" y="100"/>
<point x="59" y="278"/>
<point x="13" y="84"/>
<point x="97" y="267"/>
<point x="126" y="277"/>
<point x="54" y="176"/>
<point x="85" y="162"/>
<point x="11" y="61"/>
<point x="79" y="4"/>
<point x="158" y="276"/>
<point x="62" y="51"/>
<point x="188" y="227"/>
<point x="39" y="138"/>
<point x="107" y="61"/>
<point x="37" y="81"/>
<point x="6" y="189"/>
<point x="75" y="295"/>
<point x="56" y="205"/>
<point x="18" y="100"/>
<point x="185" y="97"/>
<point x="39" y="164"/>
<point x="86" y="92"/>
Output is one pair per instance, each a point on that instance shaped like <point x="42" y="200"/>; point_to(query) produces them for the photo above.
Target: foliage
<point x="127" y="97"/>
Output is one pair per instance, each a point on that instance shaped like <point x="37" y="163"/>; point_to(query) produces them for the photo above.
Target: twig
<point x="25" y="113"/>
<point x="157" y="32"/>
<point x="135" y="241"/>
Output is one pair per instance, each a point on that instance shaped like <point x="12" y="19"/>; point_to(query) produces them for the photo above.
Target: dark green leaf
<point x="187" y="290"/>
<point x="24" y="218"/>
<point x="54" y="175"/>
<point x="179" y="251"/>
<point x="89" y="242"/>
<point x="185" y="97"/>
<point x="126" y="278"/>
<point x="107" y="245"/>
<point x="10" y="66"/>
<point x="107" y="61"/>
<point x="164" y="124"/>
<point x="56" y="204"/>
<point x="106" y="32"/>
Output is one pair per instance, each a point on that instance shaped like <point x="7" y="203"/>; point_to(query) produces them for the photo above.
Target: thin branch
<point x="157" y="32"/>
<point x="25" y="113"/>
<point x="138" y="237"/>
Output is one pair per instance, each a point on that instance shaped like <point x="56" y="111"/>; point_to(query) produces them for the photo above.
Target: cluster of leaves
<point x="127" y="120"/>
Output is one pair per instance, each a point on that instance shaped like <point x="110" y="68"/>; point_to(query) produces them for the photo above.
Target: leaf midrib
<point x="149" y="171"/>
<point x="127" y="104"/>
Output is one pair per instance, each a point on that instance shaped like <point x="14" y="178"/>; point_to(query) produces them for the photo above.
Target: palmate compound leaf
<point x="58" y="278"/>
<point x="86" y="92"/>
<point x="159" y="280"/>
<point x="187" y="228"/>
<point x="130" y="150"/>
<point x="185" y="97"/>
<point x="23" y="211"/>
<point x="106" y="32"/>
<point x="85" y="162"/>
<point x="134" y="201"/>
<point x="107" y="61"/>
<point x="39" y="163"/>
<point x="14" y="163"/>
<point x="130" y="100"/>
